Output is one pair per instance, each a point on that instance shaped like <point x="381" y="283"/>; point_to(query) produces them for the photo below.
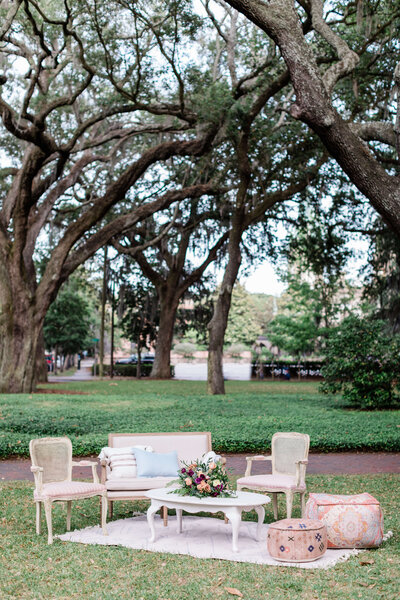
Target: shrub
<point x="124" y="370"/>
<point x="362" y="362"/>
<point x="186" y="349"/>
<point x="236" y="350"/>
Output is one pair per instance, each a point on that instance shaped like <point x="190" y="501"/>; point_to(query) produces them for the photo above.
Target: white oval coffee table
<point x="232" y="508"/>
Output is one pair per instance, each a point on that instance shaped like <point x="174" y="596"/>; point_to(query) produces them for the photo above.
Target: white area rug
<point x="202" y="537"/>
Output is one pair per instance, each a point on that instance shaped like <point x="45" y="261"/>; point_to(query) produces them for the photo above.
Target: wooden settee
<point x="188" y="445"/>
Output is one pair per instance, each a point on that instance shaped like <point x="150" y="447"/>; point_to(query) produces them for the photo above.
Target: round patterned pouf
<point x="296" y="540"/>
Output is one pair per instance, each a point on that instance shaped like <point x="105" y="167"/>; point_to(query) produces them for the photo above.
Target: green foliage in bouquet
<point x="202" y="479"/>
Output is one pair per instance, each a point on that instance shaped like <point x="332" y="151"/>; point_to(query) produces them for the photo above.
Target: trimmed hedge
<point x="123" y="370"/>
<point x="126" y="370"/>
<point x="241" y="421"/>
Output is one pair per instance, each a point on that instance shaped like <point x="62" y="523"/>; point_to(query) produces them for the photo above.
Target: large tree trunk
<point x="41" y="365"/>
<point x="21" y="327"/>
<point x="20" y="334"/>
<point x="219" y="321"/>
<point x="162" y="360"/>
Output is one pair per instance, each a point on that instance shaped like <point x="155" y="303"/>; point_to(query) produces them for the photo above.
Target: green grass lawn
<point x="31" y="569"/>
<point x="243" y="420"/>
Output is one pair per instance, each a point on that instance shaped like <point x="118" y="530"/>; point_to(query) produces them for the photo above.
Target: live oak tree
<point x="343" y="62"/>
<point x="236" y="95"/>
<point x="163" y="258"/>
<point x="270" y="161"/>
<point x="87" y="114"/>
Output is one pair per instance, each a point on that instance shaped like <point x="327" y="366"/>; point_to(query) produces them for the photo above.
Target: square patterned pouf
<point x="296" y="540"/>
<point x="351" y="521"/>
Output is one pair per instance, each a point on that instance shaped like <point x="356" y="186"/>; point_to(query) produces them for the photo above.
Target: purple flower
<point x="198" y="480"/>
<point x="190" y="472"/>
<point x="202" y="476"/>
<point x="183" y="470"/>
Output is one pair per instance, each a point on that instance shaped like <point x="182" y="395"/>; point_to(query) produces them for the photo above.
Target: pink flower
<point x="188" y="481"/>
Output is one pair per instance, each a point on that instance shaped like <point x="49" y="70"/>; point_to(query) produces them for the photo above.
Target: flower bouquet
<point x="202" y="479"/>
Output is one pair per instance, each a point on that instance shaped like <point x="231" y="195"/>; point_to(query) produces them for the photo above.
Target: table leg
<point x="261" y="514"/>
<point x="234" y="514"/>
<point x="153" y="508"/>
<point x="179" y="519"/>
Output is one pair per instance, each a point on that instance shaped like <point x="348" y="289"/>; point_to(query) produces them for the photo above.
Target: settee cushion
<point x="156" y="464"/>
<point x="138" y="483"/>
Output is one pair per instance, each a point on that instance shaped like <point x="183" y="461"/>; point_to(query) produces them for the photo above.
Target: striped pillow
<point x="121" y="462"/>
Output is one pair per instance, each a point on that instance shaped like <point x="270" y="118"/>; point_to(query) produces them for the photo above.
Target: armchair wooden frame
<point x="297" y="473"/>
<point x="52" y="470"/>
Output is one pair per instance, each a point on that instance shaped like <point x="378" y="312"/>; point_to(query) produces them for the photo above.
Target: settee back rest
<point x="188" y="445"/>
<point x="54" y="455"/>
<point x="286" y="449"/>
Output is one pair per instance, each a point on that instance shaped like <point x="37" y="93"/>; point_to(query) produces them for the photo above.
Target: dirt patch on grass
<point x="58" y="391"/>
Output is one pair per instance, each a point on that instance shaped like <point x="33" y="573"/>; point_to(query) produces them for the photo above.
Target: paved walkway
<point x="82" y="374"/>
<point x="332" y="463"/>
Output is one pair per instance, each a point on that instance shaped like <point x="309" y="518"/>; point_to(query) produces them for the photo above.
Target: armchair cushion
<point x="271" y="482"/>
<point x="70" y="488"/>
<point x="155" y="464"/>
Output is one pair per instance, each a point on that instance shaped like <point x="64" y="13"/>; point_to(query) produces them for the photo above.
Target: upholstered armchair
<point x="289" y="458"/>
<point x="52" y="469"/>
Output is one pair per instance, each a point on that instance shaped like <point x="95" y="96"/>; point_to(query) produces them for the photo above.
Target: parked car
<point x="148" y="358"/>
<point x="131" y="360"/>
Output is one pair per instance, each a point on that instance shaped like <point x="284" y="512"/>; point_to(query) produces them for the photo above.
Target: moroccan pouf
<point x="351" y="521"/>
<point x="296" y="540"/>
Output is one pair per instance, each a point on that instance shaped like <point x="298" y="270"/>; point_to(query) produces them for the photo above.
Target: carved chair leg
<point x="164" y="512"/>
<point x="69" y="506"/>
<point x="47" y="510"/>
<point x="275" y="504"/>
<point x="289" y="504"/>
<point x="38" y="517"/>
<point x="303" y="504"/>
<point x="104" y="514"/>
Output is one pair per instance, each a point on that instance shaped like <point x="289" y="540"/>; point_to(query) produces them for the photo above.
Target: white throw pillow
<point x="121" y="462"/>
<point x="210" y="457"/>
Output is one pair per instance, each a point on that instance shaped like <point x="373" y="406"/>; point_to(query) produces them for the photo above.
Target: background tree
<point x="141" y="316"/>
<point x="67" y="326"/>
<point x="316" y="252"/>
<point x="162" y="255"/>
<point x="382" y="277"/>
<point x="242" y="327"/>
<point x="295" y="331"/>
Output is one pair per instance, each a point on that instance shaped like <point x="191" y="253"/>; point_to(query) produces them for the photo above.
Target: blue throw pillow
<point x="153" y="464"/>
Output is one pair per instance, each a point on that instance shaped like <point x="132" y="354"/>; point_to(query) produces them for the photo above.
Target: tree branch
<point x="348" y="58"/>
